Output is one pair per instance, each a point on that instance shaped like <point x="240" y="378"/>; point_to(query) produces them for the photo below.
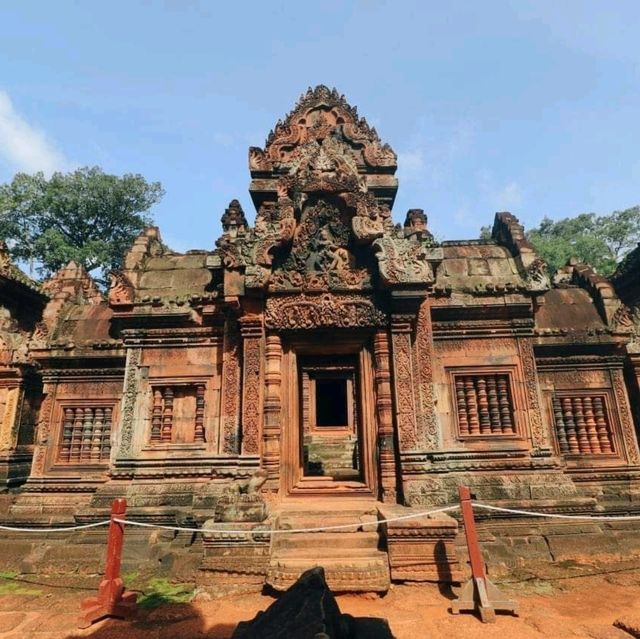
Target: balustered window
<point x="85" y="434"/>
<point x="177" y="415"/>
<point x="484" y="405"/>
<point x="582" y="424"/>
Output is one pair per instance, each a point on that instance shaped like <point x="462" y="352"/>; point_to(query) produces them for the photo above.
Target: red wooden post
<point x="478" y="593"/>
<point x="112" y="599"/>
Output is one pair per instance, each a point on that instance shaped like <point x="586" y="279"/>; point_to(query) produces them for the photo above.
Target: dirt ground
<point x="578" y="600"/>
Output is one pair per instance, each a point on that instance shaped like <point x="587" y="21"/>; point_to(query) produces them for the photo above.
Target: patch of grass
<point x="160" y="591"/>
<point x="10" y="585"/>
<point x="130" y="578"/>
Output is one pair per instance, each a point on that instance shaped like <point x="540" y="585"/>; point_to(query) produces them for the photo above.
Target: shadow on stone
<point x="309" y="610"/>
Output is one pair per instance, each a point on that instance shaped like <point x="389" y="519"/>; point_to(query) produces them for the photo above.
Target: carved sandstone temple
<point x="321" y="366"/>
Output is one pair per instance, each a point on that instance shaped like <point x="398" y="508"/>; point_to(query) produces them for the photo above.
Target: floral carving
<point x="328" y="310"/>
<point x="231" y="388"/>
<point x="129" y="397"/>
<point x="625" y="416"/>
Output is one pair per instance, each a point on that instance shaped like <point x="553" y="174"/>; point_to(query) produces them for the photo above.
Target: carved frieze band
<point x="628" y="434"/>
<point x="231" y="388"/>
<point x="328" y="310"/>
<point x="403" y="385"/>
<point x="426" y="421"/>
<point x="539" y="436"/>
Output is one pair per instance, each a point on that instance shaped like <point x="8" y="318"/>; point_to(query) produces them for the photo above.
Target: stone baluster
<point x="156" y="417"/>
<point x="87" y="432"/>
<point x="96" y="439"/>
<point x="167" y="414"/>
<point x="494" y="405"/>
<point x="572" y="439"/>
<point x="483" y="405"/>
<point x="463" y="420"/>
<point x="590" y="423"/>
<point x="67" y="435"/>
<point x="602" y="426"/>
<point x="560" y="426"/>
<point x="472" y="405"/>
<point x="581" y="427"/>
<point x="198" y="435"/>
<point x="106" y="433"/>
<point x="76" y="441"/>
<point x="504" y="399"/>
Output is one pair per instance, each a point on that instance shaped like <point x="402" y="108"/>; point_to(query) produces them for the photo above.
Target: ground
<point x="581" y="600"/>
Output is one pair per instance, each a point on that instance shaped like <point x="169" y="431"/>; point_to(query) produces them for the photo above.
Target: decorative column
<point x="404" y="382"/>
<point x="384" y="405"/>
<point x="428" y="433"/>
<point x="231" y="390"/>
<point x="129" y="396"/>
<point x="272" y="409"/>
<point x="10" y="419"/>
<point x="624" y="412"/>
<point x="42" y="431"/>
<point x="251" y="330"/>
<point x="539" y="435"/>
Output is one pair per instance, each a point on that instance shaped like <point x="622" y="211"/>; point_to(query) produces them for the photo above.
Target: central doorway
<point x="330" y="432"/>
<point x="329" y="425"/>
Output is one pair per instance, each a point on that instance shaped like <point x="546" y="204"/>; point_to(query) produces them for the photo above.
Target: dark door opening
<point x="330" y="430"/>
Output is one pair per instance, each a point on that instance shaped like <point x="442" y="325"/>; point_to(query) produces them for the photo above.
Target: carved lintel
<point x="328" y="310"/>
<point x="384" y="406"/>
<point x="272" y="409"/>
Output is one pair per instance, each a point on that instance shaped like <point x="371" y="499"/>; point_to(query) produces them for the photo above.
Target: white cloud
<point x="510" y="196"/>
<point x="24" y="147"/>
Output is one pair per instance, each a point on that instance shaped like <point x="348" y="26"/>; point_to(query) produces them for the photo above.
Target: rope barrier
<point x="287" y="531"/>
<point x="80" y="527"/>
<point x="531" y="513"/>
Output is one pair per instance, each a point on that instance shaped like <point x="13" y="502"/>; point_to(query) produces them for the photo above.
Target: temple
<point x="323" y="366"/>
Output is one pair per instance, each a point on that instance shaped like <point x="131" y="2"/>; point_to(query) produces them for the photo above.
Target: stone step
<point x="366" y="573"/>
<point x="360" y="521"/>
<point x="328" y="542"/>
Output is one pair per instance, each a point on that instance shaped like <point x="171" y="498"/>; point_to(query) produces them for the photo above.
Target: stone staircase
<point x="331" y="456"/>
<point x="350" y="557"/>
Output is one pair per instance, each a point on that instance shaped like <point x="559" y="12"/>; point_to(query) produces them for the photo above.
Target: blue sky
<point x="525" y="106"/>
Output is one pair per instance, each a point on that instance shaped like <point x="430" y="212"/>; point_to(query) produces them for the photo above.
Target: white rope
<point x="81" y="527"/>
<point x="557" y="516"/>
<point x="287" y="531"/>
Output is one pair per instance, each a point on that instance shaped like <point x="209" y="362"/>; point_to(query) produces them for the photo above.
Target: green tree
<point x="87" y="215"/>
<point x="601" y="241"/>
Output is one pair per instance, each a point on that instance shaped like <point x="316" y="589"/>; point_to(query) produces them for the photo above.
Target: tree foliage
<point x="87" y="216"/>
<point x="599" y="240"/>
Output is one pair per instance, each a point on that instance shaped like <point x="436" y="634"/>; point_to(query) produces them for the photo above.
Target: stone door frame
<point x="316" y="343"/>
